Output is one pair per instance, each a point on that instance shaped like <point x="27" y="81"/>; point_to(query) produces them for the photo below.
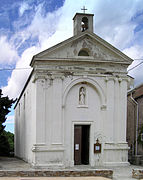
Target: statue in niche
<point x="82" y="95"/>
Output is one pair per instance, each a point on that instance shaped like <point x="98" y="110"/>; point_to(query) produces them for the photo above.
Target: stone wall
<point x="103" y="173"/>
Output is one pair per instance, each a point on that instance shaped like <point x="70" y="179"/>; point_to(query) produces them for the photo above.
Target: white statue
<point x="82" y="95"/>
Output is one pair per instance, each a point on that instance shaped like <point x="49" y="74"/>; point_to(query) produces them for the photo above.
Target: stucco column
<point x="56" y="119"/>
<point x="120" y="110"/>
<point x="123" y="109"/>
<point x="116" y="125"/>
<point x="109" y="121"/>
<point x="40" y="111"/>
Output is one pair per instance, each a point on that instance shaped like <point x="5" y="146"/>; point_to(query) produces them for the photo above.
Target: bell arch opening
<point x="84" y="24"/>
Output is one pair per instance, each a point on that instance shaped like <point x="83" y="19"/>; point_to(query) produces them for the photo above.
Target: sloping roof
<point x="137" y="91"/>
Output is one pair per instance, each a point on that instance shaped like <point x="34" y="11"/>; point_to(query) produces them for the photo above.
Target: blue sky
<point x="30" y="26"/>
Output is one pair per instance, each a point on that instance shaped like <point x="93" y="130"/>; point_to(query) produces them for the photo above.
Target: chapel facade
<point x="72" y="110"/>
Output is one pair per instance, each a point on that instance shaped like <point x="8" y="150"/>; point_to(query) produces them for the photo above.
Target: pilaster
<point x="123" y="108"/>
<point x="40" y="110"/>
<point x="57" y="121"/>
<point x="109" y="120"/>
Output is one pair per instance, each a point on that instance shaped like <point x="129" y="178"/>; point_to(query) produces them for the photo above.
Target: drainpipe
<point x="137" y="122"/>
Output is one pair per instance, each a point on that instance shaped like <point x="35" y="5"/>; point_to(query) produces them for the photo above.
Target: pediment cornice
<point x="101" y="48"/>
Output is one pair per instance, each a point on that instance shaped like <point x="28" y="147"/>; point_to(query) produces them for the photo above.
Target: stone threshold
<point x="57" y="173"/>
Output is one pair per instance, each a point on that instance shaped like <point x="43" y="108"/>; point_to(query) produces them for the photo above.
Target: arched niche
<point x="91" y="82"/>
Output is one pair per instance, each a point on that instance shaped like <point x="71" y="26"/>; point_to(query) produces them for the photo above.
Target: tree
<point x="4" y="146"/>
<point x="5" y="105"/>
<point x="10" y="138"/>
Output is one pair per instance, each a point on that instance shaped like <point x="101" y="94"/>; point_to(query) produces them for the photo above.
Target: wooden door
<point x="85" y="145"/>
<point x="81" y="144"/>
<point x="77" y="144"/>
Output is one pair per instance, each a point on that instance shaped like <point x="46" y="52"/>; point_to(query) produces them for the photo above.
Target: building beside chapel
<point x="72" y="110"/>
<point x="135" y="124"/>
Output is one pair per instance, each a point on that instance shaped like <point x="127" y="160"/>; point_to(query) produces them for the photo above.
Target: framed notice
<point x="77" y="147"/>
<point x="97" y="148"/>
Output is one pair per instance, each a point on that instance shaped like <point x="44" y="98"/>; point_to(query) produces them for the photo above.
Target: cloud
<point x="136" y="53"/>
<point x="24" y="6"/>
<point x="8" y="54"/>
<point x="18" y="77"/>
<point x="137" y="73"/>
<point x="36" y="29"/>
<point x="116" y="23"/>
<point x="43" y="26"/>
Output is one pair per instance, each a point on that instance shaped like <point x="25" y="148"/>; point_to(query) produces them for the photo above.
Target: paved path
<point x="119" y="173"/>
<point x="55" y="178"/>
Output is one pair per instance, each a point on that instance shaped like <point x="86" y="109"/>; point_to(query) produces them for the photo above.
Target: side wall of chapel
<point x="25" y="124"/>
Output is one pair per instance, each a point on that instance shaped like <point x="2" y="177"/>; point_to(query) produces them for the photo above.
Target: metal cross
<point x="84" y="9"/>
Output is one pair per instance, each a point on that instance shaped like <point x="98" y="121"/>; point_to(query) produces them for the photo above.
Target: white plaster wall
<point x="109" y="124"/>
<point x="45" y="128"/>
<point x="48" y="149"/>
<point x="76" y="114"/>
<point x="17" y="131"/>
<point x="24" y="124"/>
<point x="115" y="147"/>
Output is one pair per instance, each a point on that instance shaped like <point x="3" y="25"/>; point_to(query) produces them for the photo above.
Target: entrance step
<point x="60" y="173"/>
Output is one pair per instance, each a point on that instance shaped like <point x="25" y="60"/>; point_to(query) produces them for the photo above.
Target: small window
<point x="83" y="53"/>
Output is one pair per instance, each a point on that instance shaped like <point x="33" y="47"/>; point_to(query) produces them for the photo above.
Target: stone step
<point x="61" y="173"/>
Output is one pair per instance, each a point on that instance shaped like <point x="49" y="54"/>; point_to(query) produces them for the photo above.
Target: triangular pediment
<point x="98" y="50"/>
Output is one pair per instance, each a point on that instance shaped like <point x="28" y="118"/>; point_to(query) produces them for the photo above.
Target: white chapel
<point x="72" y="110"/>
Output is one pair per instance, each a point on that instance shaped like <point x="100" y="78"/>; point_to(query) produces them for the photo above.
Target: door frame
<point x="91" y="140"/>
